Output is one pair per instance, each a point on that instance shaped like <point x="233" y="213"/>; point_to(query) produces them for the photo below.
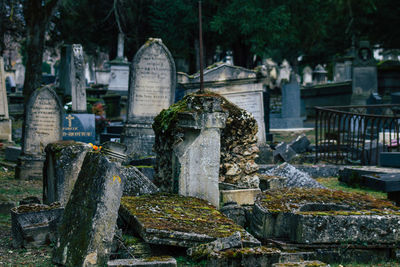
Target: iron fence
<point x="356" y="134"/>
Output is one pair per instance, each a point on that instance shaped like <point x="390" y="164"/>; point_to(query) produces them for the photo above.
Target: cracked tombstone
<point x="86" y="232"/>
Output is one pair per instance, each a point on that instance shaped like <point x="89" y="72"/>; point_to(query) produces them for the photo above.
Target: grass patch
<point x="334" y="183"/>
<point x="15" y="190"/>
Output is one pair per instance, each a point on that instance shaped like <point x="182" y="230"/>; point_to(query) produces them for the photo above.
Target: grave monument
<point x="119" y="76"/>
<point x="5" y="122"/>
<point x="43" y="124"/>
<point x="151" y="89"/>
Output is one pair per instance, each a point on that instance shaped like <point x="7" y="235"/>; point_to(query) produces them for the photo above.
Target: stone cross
<point x="70" y="118"/>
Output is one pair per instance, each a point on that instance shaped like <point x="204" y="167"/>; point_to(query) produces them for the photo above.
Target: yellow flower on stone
<point x="117" y="177"/>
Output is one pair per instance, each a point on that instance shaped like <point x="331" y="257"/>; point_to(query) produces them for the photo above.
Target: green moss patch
<point x="291" y="200"/>
<point x="243" y="252"/>
<point x="182" y="214"/>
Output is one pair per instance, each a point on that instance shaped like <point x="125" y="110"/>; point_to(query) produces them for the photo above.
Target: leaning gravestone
<point x="43" y="124"/>
<point x="151" y="89"/>
<point x="5" y="122"/>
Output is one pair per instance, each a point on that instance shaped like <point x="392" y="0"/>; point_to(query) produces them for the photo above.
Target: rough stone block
<point x="295" y="177"/>
<point x="352" y="175"/>
<point x="34" y="225"/>
<point x="271" y="182"/>
<point x="146" y="262"/>
<point x="137" y="183"/>
<point x="86" y="232"/>
<point x="240" y="196"/>
<point x="283" y="152"/>
<point x="300" y="144"/>
<point x="266" y="155"/>
<point x="166" y="219"/>
<point x="389" y="159"/>
<point x="382" y="182"/>
<point x="235" y="212"/>
<point x="61" y="169"/>
<point x="219" y="244"/>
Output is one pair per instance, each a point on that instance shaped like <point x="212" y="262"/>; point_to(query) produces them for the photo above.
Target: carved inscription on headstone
<point x="43" y="124"/>
<point x="153" y="80"/>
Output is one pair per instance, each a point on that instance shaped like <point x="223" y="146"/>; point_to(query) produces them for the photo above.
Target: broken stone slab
<point x="12" y="153"/>
<point x="301" y="264"/>
<point x="383" y="182"/>
<point x="352" y="175"/>
<point x="295" y="177"/>
<point x="266" y="155"/>
<point x="300" y="144"/>
<point x="283" y="152"/>
<point x="320" y="216"/>
<point x="137" y="183"/>
<point x="235" y="257"/>
<point x="271" y="182"/>
<point x="86" y="232"/>
<point x="240" y="196"/>
<point x="167" y="219"/>
<point x="61" y="169"/>
<point x="145" y="262"/>
<point x="235" y="212"/>
<point x="219" y="244"/>
<point x="34" y="225"/>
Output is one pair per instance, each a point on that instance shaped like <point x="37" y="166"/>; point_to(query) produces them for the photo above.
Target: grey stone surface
<point x="271" y="182"/>
<point x="300" y="144"/>
<point x="137" y="183"/>
<point x="353" y="174"/>
<point x="382" y="182"/>
<point x="5" y="122"/>
<point x="157" y="262"/>
<point x="389" y="159"/>
<point x="234" y="212"/>
<point x="283" y="152"/>
<point x="291" y="99"/>
<point x="301" y="264"/>
<point x="86" y="232"/>
<point x="295" y="177"/>
<point x="61" y="169"/>
<point x="201" y="251"/>
<point x="265" y="155"/>
<point x="43" y="125"/>
<point x="34" y="225"/>
<point x="151" y="89"/>
<point x="78" y="82"/>
<point x="12" y="153"/>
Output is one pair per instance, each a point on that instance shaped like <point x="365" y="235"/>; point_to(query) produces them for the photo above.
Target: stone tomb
<point x="5" y="122"/>
<point x="43" y="124"/>
<point x="119" y="73"/>
<point x="151" y="89"/>
<point x="239" y="85"/>
<point x="79" y="127"/>
<point x="167" y="219"/>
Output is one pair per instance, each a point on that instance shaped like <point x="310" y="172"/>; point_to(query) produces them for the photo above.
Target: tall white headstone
<point x="5" y="122"/>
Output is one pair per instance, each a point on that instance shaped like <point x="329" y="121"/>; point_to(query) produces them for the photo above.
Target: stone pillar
<point x="5" y="122"/>
<point x="120" y="53"/>
<point x="61" y="169"/>
<point x="78" y="80"/>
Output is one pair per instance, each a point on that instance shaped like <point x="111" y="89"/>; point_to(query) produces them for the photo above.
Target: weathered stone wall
<point x="238" y="144"/>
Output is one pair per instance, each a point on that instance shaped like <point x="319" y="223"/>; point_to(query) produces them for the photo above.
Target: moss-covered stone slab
<point x="321" y="216"/>
<point x="168" y="219"/>
<point x="164" y="261"/>
<point x="254" y="257"/>
<point x="301" y="264"/>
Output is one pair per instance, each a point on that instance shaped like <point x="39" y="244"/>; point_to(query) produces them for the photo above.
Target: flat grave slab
<point x="145" y="262"/>
<point x="323" y="216"/>
<point x="352" y="175"/>
<point x="168" y="219"/>
<point x="383" y="182"/>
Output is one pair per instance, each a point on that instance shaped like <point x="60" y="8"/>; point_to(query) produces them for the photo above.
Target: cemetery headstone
<point x="5" y="122"/>
<point x="320" y="74"/>
<point x="61" y="169"/>
<point x="88" y="225"/>
<point x="78" y="82"/>
<point x="284" y="72"/>
<point x="43" y="125"/>
<point x="79" y="127"/>
<point x="119" y="75"/>
<point x="151" y="89"/>
<point x="365" y="79"/>
<point x="307" y="75"/>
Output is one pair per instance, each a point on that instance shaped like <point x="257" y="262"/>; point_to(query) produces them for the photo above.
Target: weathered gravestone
<point x="88" y="225"/>
<point x="43" y="124"/>
<point x="5" y="122"/>
<point x="151" y="89"/>
<point x="119" y="76"/>
<point x="61" y="169"/>
<point x="365" y="78"/>
<point x="307" y="76"/>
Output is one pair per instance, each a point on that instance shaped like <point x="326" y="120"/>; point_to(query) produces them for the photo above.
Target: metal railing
<point x="356" y="134"/>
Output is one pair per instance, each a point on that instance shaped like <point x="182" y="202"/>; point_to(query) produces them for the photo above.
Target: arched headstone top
<point x="43" y="122"/>
<point x="152" y="81"/>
